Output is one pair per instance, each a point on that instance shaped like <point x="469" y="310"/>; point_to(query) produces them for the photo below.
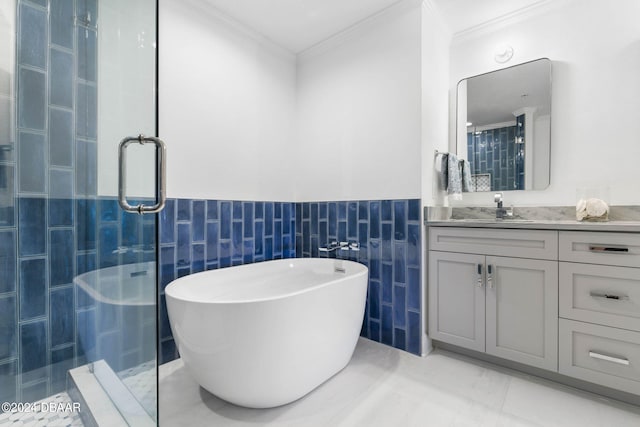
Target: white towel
<point x="443" y="171"/>
<point x="454" y="171"/>
<point x="466" y="176"/>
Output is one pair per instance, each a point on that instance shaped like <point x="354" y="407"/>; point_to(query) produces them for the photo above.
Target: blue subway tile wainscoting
<point x="389" y="235"/>
<point x="199" y="235"/>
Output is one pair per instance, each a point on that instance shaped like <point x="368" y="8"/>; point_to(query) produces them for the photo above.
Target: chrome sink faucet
<point x="501" y="212"/>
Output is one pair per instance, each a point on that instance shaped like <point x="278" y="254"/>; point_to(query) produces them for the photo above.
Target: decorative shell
<point x="592" y="210"/>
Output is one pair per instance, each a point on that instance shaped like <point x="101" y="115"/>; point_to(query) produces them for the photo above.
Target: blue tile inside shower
<point x="32" y="36"/>
<point x="389" y="234"/>
<point x="495" y="152"/>
<point x="60" y="137"/>
<point x="41" y="308"/>
<point x="197" y="235"/>
<point x="62" y="15"/>
<point x="50" y="229"/>
<point x="31" y="99"/>
<point x="61" y="79"/>
<point x="32" y="164"/>
<point x="8" y="251"/>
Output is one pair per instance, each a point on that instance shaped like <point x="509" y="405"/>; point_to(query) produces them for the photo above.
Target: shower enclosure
<point x="78" y="318"/>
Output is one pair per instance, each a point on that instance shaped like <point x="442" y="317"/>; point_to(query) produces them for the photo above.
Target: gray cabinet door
<point x="456" y="299"/>
<point x="522" y="310"/>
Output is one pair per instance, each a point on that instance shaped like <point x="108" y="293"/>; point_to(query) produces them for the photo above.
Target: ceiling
<point x="299" y="24"/>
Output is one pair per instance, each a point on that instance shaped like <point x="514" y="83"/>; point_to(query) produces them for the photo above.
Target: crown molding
<point x="213" y="12"/>
<point x="359" y="27"/>
<point x="505" y="20"/>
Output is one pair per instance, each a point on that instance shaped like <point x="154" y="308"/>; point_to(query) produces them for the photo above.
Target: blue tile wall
<point x="33" y="355"/>
<point x="389" y="234"/>
<point x="61" y="264"/>
<point x="198" y="235"/>
<point x="31" y="99"/>
<point x="62" y="23"/>
<point x="33" y="288"/>
<point x="87" y="39"/>
<point x="50" y="233"/>
<point x="8" y="251"/>
<point x="495" y="152"/>
<point x="86" y="176"/>
<point x="8" y="322"/>
<point x="61" y="79"/>
<point x="86" y="111"/>
<point x="7" y="191"/>
<point x="62" y="316"/>
<point x="60" y="137"/>
<point x="32" y="165"/>
<point x="32" y="36"/>
<point x="32" y="226"/>
<point x="8" y="380"/>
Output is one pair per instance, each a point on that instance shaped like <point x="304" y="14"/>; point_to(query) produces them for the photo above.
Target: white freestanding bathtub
<point x="265" y="334"/>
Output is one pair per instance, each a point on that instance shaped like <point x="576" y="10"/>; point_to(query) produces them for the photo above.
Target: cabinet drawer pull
<point x="609" y="296"/>
<point x="611" y="359"/>
<point x="609" y="249"/>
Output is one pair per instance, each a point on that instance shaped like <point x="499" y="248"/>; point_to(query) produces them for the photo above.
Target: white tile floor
<point x="44" y="418"/>
<point x="386" y="387"/>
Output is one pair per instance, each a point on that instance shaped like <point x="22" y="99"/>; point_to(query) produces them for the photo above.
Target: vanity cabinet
<point x="561" y="300"/>
<point x="495" y="291"/>
<point x="600" y="308"/>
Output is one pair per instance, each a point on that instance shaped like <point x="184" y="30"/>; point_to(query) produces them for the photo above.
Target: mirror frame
<point x="461" y="127"/>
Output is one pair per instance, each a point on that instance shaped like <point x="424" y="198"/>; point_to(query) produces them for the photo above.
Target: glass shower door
<point x="77" y="273"/>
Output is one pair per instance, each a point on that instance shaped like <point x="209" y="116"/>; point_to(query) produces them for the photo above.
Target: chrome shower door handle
<point x="161" y="191"/>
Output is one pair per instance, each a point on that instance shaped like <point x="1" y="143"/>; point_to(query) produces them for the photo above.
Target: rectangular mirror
<point x="504" y="127"/>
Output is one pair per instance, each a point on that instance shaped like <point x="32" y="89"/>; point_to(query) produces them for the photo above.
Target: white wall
<point x="595" y="49"/>
<point x="436" y="39"/>
<point x="359" y="111"/>
<point x="227" y="107"/>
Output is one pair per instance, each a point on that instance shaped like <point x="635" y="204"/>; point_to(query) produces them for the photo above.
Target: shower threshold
<point x="118" y="407"/>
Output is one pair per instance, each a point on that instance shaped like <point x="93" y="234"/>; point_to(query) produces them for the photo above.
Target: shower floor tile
<point x="43" y="419"/>
<point x="383" y="386"/>
<point x="141" y="381"/>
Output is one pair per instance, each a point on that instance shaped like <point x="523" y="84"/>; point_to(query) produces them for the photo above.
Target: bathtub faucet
<point x="343" y="246"/>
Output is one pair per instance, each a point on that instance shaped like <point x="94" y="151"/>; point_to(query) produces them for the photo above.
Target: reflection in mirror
<point x="504" y="127"/>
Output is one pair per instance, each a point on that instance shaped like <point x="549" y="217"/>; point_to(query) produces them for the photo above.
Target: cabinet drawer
<point x="538" y="244"/>
<point x="600" y="294"/>
<point x="621" y="249"/>
<point x="600" y="354"/>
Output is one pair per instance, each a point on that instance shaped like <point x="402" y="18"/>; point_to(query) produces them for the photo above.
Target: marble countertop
<point x="621" y="226"/>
